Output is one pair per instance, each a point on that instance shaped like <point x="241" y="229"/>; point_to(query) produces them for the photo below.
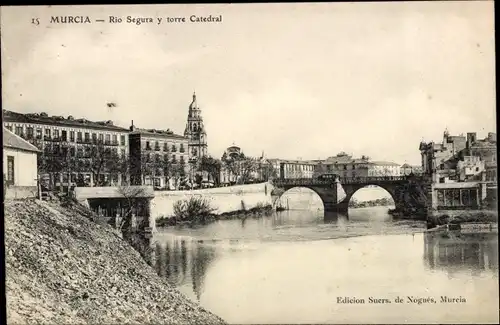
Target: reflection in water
<point x="456" y="251"/>
<point x="183" y="260"/>
<point x="291" y="266"/>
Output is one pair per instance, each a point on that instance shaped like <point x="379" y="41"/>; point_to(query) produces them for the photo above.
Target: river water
<point x="298" y="266"/>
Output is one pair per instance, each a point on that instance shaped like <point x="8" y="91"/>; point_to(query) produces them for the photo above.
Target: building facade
<point x="407" y="169"/>
<point x="158" y="158"/>
<point x="19" y="160"/>
<point x="72" y="150"/>
<point x="451" y="160"/>
<point x="486" y="150"/>
<point x="346" y="166"/>
<point x="383" y="169"/>
<point x="195" y="132"/>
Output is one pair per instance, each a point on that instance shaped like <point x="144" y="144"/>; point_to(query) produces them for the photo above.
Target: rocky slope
<point x="62" y="268"/>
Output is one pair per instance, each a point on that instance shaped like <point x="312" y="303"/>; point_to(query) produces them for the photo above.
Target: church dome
<point x="194" y="103"/>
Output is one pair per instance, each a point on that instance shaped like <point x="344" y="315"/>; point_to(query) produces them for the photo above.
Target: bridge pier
<point x="341" y="207"/>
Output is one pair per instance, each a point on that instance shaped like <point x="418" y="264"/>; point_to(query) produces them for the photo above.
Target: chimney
<point x="132" y="127"/>
<point x="471" y="138"/>
<point x="492" y="137"/>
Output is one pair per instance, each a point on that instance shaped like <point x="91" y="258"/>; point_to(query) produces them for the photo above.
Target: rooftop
<point x="10" y="140"/>
<point x="44" y="118"/>
<point x="154" y="132"/>
<point x="383" y="163"/>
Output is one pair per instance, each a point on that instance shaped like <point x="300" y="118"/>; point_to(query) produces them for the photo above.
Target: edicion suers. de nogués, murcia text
<point x="136" y="20"/>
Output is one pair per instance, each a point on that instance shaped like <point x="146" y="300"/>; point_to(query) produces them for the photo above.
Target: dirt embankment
<point x="62" y="268"/>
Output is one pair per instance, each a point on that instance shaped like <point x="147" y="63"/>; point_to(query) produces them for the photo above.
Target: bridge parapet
<point x="375" y="179"/>
<point x="302" y="182"/>
<point x="343" y="180"/>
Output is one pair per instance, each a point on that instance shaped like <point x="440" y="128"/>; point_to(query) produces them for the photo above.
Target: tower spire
<point x="194" y="104"/>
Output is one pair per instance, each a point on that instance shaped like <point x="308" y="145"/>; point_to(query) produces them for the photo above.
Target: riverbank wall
<point x="224" y="199"/>
<point x="63" y="268"/>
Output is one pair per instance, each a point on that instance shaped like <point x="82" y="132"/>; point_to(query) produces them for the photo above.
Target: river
<point x="297" y="267"/>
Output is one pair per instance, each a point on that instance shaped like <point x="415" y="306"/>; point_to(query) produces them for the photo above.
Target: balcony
<point x="174" y="149"/>
<point x="148" y="148"/>
<point x="114" y="143"/>
<point x="182" y="150"/>
<point x="157" y="148"/>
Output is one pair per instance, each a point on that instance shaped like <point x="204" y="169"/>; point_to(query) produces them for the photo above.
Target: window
<point x="182" y="159"/>
<point x="157" y="145"/>
<point x="72" y="151"/>
<point x="101" y="137"/>
<point x="9" y="127"/>
<point x="94" y="137"/>
<point x="87" y="137"/>
<point x="38" y="133"/>
<point x="165" y="146"/>
<point x="79" y="136"/>
<point x="115" y="139"/>
<point x="19" y="130"/>
<point x="29" y="132"/>
<point x="173" y="158"/>
<point x="64" y="135"/>
<point x="181" y="149"/>
<point x="174" y="148"/>
<point x="47" y="133"/>
<point x="157" y="182"/>
<point x="10" y="170"/>
<point x="108" y="138"/>
<point x="148" y="146"/>
<point x="56" y="134"/>
<point x="122" y="152"/>
<point x="122" y="140"/>
<point x="165" y="157"/>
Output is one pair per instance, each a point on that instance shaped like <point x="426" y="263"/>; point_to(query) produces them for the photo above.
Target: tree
<point x="230" y="163"/>
<point x="101" y="160"/>
<point x="267" y="171"/>
<point x="212" y="166"/>
<point x="131" y="194"/>
<point x="247" y="167"/>
<point x="178" y="172"/>
<point x="57" y="158"/>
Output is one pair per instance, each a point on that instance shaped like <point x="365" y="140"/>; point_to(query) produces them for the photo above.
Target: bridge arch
<point x="280" y="193"/>
<point x="351" y="189"/>
<point x="350" y="192"/>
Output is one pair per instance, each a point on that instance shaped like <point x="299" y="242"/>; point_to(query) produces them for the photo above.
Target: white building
<point x="19" y="166"/>
<point x="383" y="168"/>
<point x="470" y="167"/>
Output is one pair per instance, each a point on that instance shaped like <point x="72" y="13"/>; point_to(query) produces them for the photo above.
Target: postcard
<point x="277" y="163"/>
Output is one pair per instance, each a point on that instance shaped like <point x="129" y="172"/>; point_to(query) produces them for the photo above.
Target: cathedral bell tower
<point x="195" y="132"/>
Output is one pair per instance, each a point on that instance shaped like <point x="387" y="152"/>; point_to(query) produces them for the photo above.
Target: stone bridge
<point x="408" y="192"/>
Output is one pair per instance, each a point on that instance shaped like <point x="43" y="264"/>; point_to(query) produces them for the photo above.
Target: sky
<point x="290" y="80"/>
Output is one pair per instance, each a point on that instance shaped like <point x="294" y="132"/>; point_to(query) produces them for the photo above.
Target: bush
<point x="193" y="209"/>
